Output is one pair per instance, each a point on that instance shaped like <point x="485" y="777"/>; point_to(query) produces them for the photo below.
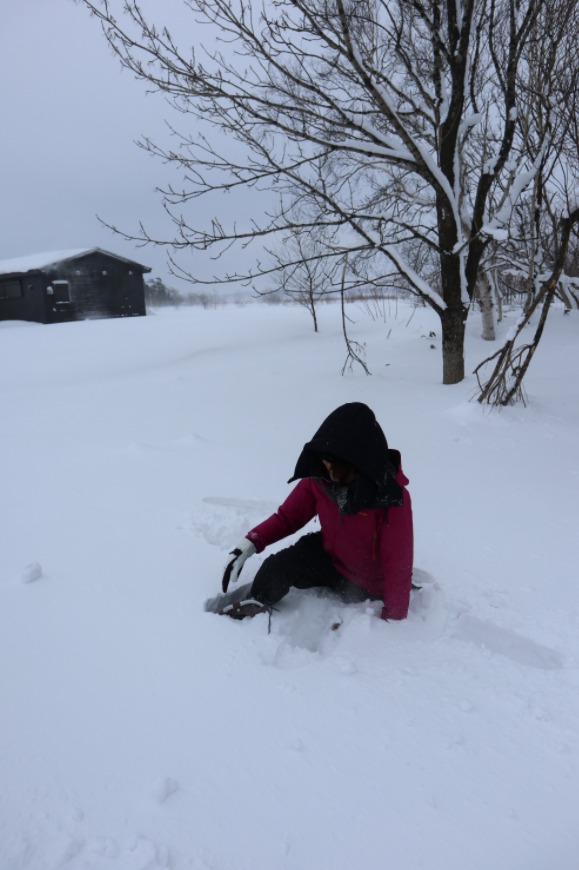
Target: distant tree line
<point x="157" y="294"/>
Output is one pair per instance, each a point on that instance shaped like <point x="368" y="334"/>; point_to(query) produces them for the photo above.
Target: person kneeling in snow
<point x="355" y="485"/>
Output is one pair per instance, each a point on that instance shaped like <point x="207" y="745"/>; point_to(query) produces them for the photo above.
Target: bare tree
<point x="305" y="269"/>
<point x="546" y="219"/>
<point x="552" y="101"/>
<point x="547" y="108"/>
<point x="355" y="351"/>
<point x="505" y="384"/>
<point x="394" y="120"/>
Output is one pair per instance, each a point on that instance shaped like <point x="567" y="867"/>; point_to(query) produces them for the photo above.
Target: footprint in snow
<point x="144" y="854"/>
<point x="254" y="506"/>
<point x="223" y="520"/>
<point x="441" y="617"/>
<point x="507" y="643"/>
<point x="31" y="573"/>
<point x="165" y="788"/>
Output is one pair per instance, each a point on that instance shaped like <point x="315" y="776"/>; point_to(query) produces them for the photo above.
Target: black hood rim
<point x="350" y="433"/>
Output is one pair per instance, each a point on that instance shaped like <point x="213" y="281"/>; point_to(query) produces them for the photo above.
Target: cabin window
<point x="11" y="288"/>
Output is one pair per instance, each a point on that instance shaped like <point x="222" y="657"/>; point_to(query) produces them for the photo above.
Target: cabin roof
<point x="37" y="262"/>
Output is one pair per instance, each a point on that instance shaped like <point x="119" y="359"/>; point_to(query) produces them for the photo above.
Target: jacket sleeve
<point x="297" y="510"/>
<point x="397" y="546"/>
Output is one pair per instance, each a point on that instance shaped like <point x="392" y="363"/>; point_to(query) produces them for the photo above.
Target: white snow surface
<point x="139" y="732"/>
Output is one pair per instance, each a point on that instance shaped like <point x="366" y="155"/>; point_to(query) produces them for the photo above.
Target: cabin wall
<point x="101" y="286"/>
<point x="23" y="297"/>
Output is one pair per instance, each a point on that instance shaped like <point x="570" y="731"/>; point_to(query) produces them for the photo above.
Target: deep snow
<point x="139" y="732"/>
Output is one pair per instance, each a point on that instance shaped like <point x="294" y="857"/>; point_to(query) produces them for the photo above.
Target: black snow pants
<point x="304" y="565"/>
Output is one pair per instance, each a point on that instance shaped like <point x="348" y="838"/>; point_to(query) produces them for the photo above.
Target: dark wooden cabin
<point x="71" y="285"/>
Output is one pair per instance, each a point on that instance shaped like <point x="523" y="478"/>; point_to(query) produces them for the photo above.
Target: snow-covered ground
<point x="139" y="732"/>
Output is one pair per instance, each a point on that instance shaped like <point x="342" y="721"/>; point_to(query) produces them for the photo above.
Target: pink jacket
<point x="373" y="548"/>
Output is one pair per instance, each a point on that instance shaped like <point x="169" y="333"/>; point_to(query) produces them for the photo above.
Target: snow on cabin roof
<point x="33" y="262"/>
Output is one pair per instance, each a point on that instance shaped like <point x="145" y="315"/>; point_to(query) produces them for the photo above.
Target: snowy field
<point x="138" y="732"/>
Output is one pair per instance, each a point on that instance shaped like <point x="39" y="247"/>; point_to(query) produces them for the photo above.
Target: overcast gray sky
<point x="70" y="117"/>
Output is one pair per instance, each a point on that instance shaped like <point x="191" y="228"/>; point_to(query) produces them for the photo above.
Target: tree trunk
<point x="498" y="299"/>
<point x="453" y="326"/>
<point x="312" y="307"/>
<point x="564" y="297"/>
<point x="453" y="317"/>
<point x="485" y="296"/>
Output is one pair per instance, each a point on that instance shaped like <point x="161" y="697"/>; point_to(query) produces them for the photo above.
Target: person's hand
<point x="243" y="551"/>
